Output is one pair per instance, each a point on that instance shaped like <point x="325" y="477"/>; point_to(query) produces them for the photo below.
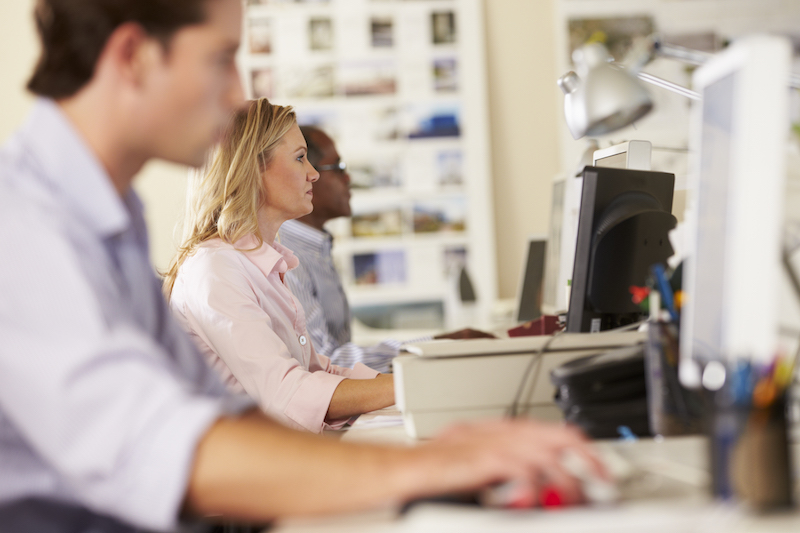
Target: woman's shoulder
<point x="213" y="254"/>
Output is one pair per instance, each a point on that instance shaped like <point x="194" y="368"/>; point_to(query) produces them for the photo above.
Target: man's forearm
<point x="252" y="468"/>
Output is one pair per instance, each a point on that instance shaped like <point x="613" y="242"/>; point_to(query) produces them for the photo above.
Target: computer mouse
<point x="596" y="489"/>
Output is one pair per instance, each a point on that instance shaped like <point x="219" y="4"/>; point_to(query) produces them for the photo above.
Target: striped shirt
<point x="318" y="287"/>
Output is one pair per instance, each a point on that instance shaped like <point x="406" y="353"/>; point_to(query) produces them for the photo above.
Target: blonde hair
<point x="225" y="200"/>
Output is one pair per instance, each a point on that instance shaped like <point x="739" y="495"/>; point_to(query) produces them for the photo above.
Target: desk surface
<point x="667" y="494"/>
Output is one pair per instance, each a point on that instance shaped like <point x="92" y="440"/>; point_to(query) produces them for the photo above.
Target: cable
<point x="537" y="357"/>
<point x="511" y="412"/>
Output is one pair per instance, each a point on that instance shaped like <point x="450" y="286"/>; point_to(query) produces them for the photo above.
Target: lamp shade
<point x="601" y="97"/>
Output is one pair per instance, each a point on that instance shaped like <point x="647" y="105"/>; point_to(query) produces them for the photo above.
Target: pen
<point x="665" y="290"/>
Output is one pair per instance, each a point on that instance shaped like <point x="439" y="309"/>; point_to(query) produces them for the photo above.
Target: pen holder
<point x="750" y="453"/>
<point x="762" y="469"/>
<point x="672" y="409"/>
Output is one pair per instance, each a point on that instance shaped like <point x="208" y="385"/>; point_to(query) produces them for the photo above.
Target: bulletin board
<point x="400" y="86"/>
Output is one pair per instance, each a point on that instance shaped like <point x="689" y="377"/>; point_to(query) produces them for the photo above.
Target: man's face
<point x="194" y="87"/>
<point x="332" y="189"/>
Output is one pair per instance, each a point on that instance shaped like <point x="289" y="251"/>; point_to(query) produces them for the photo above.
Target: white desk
<point x="667" y="495"/>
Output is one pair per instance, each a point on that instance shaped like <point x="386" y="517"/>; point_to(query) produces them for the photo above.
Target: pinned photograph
<point x="440" y="215"/>
<point x="360" y="78"/>
<point x="443" y="27"/>
<point x="382" y="30"/>
<point x="445" y="74"/>
<point x="312" y="82"/>
<point x="386" y="124"/>
<point x="455" y="258"/>
<point x="432" y="121"/>
<point x="325" y="118"/>
<point x="259" y="33"/>
<point x="449" y="167"/>
<point x="374" y="174"/>
<point x="320" y="33"/>
<point x="380" y="268"/>
<point x="617" y="34"/>
<point x="261" y="80"/>
<point x="377" y="223"/>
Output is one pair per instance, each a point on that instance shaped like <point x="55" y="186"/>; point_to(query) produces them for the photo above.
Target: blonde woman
<point x="226" y="283"/>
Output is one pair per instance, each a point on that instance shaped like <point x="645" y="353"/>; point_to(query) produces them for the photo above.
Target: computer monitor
<point x="635" y="155"/>
<point x="529" y="300"/>
<point x="732" y="273"/>
<point x="566" y="206"/>
<point x="623" y="229"/>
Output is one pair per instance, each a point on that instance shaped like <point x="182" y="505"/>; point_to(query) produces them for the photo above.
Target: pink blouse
<point x="253" y="330"/>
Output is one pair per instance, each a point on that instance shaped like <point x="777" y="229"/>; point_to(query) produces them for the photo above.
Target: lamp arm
<point x="693" y="57"/>
<point x="668" y="85"/>
<point x="679" y="53"/>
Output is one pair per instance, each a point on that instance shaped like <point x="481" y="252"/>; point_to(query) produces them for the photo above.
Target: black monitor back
<point x="623" y="229"/>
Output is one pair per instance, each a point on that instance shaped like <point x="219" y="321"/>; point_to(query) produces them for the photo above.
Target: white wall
<point x="523" y="112"/>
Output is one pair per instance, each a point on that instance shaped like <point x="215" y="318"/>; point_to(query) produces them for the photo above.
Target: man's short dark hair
<point x="74" y="32"/>
<point x="311" y="134"/>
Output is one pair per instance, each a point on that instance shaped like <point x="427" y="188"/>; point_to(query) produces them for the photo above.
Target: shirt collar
<point x="268" y="258"/>
<point x="306" y="235"/>
<point x="69" y="166"/>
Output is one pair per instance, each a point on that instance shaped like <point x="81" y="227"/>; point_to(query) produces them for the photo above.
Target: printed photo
<point x="377" y="223"/>
<point x="455" y="258"/>
<point x="380" y="268"/>
<point x="386" y="124"/>
<point x="449" y="167"/>
<point x="401" y="315"/>
<point x="445" y="75"/>
<point x="423" y="121"/>
<point x="443" y="27"/>
<point x="320" y="33"/>
<point x="323" y="118"/>
<point x="378" y="173"/>
<point x="440" y="214"/>
<point x="261" y="80"/>
<point x="617" y="34"/>
<point x="368" y="77"/>
<point x="382" y="32"/>
<point x="703" y="41"/>
<point x="310" y="82"/>
<point x="259" y="35"/>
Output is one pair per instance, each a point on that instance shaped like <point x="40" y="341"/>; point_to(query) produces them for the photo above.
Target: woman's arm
<point x="223" y="310"/>
<point x="356" y="396"/>
<point x="254" y="469"/>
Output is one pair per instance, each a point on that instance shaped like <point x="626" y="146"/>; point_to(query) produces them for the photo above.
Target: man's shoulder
<point x="27" y="205"/>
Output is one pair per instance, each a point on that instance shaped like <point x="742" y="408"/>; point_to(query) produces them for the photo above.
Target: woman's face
<point x="288" y="178"/>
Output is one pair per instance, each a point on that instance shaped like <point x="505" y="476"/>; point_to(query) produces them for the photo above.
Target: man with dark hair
<point x="109" y="418"/>
<point x="316" y="283"/>
<point x="73" y="36"/>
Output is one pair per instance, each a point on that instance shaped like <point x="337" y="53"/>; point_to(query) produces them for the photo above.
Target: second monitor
<point x="623" y="229"/>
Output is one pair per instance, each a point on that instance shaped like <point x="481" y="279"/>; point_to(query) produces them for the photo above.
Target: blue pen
<point x="664" y="288"/>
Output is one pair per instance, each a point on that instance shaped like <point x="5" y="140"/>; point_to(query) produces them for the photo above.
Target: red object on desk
<point x="544" y="325"/>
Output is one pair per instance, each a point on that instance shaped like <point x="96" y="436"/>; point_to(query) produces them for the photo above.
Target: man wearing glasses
<point x="315" y="282"/>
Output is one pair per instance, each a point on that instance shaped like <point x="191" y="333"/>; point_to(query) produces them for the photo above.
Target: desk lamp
<point x="604" y="96"/>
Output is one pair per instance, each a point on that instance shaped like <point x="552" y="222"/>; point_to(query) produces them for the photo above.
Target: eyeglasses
<point x="341" y="166"/>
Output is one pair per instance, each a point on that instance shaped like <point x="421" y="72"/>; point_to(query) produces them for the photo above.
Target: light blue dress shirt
<point x="103" y="398"/>
<point x="318" y="287"/>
